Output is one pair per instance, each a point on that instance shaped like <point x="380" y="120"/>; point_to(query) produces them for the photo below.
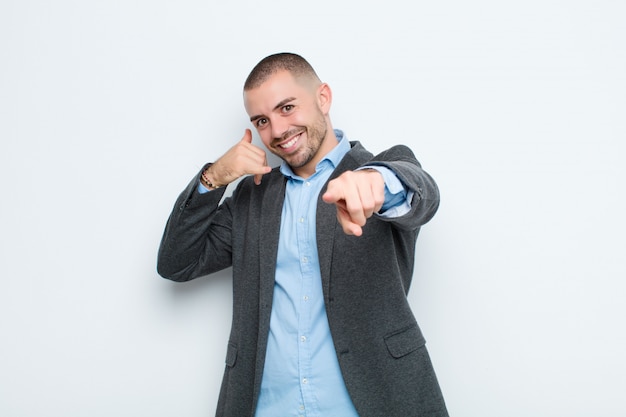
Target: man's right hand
<point x="242" y="159"/>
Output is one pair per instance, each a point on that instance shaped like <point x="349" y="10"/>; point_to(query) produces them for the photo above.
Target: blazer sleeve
<point x="197" y="236"/>
<point x="401" y="160"/>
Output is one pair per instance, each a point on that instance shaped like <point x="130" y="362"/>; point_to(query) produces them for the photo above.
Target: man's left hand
<point x="357" y="195"/>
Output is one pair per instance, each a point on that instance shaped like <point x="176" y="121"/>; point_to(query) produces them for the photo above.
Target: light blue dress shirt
<point x="301" y="377"/>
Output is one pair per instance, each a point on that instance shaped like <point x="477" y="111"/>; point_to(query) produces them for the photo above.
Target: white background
<point x="108" y="108"/>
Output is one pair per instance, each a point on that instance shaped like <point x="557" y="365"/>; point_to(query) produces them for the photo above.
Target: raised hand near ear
<point x="242" y="159"/>
<point x="357" y="195"/>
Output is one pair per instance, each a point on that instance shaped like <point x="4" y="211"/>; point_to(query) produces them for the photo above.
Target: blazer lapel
<point x="327" y="224"/>
<point x="269" y="231"/>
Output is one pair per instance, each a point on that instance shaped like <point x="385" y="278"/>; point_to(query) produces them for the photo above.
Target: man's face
<point x="290" y="118"/>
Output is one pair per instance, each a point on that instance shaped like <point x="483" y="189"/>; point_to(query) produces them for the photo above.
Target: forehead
<point x="276" y="88"/>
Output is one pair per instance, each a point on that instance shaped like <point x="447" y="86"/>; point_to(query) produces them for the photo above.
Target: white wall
<point x="517" y="109"/>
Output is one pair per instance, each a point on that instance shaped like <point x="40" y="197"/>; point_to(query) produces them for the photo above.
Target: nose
<point x="279" y="127"/>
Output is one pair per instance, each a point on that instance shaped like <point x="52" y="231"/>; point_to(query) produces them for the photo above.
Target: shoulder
<point x="356" y="156"/>
<point x="395" y="153"/>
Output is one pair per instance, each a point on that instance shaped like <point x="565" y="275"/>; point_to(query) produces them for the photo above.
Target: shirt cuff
<point x="201" y="188"/>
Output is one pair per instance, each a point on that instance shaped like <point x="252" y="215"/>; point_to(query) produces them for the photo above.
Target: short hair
<point x="284" y="61"/>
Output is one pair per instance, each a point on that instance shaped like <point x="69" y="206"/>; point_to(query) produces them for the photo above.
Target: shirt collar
<point x="330" y="160"/>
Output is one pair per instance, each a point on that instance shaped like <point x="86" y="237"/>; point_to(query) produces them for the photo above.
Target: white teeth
<point x="290" y="143"/>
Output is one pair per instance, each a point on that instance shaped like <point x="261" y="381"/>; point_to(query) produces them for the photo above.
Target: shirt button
<point x="301" y="408"/>
<point x="308" y="184"/>
<point x="306" y="298"/>
<point x="301" y="219"/>
<point x="305" y="259"/>
<point x="305" y="381"/>
<point x="303" y="338"/>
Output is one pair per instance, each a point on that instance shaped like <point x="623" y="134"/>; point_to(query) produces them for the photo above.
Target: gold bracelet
<point x="207" y="182"/>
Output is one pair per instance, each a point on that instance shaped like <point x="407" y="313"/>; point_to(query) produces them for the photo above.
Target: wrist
<point x="206" y="178"/>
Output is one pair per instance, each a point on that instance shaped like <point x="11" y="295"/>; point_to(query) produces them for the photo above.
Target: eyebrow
<point x="279" y="105"/>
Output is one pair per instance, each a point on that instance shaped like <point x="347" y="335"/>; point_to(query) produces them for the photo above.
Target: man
<point x="322" y="250"/>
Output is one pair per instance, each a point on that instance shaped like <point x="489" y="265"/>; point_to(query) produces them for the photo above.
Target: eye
<point x="260" y="122"/>
<point x="287" y="108"/>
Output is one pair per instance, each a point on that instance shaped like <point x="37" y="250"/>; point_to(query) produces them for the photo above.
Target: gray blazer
<point x="365" y="280"/>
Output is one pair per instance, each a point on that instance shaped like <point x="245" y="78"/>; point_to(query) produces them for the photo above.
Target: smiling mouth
<point x="290" y="142"/>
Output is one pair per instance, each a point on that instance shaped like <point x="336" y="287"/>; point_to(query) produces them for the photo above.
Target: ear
<point x="324" y="97"/>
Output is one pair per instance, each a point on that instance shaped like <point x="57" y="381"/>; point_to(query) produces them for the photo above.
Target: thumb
<point x="333" y="193"/>
<point x="247" y="136"/>
<point x="330" y="197"/>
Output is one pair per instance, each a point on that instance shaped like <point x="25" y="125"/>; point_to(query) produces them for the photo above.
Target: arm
<point x="196" y="240"/>
<point x="197" y="236"/>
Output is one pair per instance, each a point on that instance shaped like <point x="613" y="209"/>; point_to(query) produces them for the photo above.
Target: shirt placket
<point x="305" y="230"/>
